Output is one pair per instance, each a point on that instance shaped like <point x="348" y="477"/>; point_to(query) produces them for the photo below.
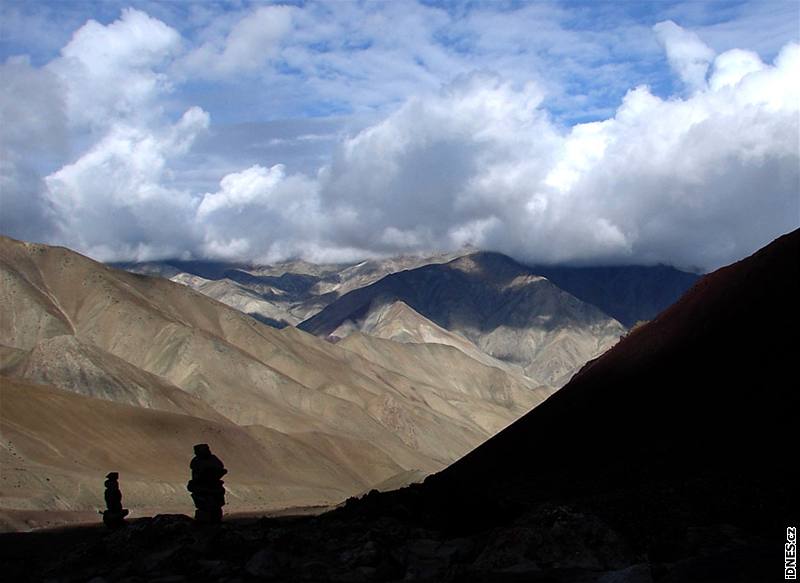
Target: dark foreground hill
<point x="669" y="459"/>
<point x="706" y="389"/>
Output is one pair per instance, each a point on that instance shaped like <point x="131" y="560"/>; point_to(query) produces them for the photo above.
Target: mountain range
<point x="499" y="305"/>
<point x="411" y="363"/>
<point x="667" y="459"/>
<point x="312" y="296"/>
<point x="104" y="370"/>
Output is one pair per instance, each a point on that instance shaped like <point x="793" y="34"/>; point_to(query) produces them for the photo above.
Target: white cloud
<point x="113" y="201"/>
<point x="687" y="54"/>
<point x="731" y="66"/>
<point x="240" y="189"/>
<point x="32" y="135"/>
<point x="114" y="71"/>
<point x="260" y="213"/>
<point x="413" y="180"/>
<point x="249" y="44"/>
<point x="698" y="181"/>
<point x="466" y="157"/>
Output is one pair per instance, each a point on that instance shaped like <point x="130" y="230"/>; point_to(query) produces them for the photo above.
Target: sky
<point x="589" y="133"/>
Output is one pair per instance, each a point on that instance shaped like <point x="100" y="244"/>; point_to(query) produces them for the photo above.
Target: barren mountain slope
<point x="274" y="312"/>
<point x="70" y="364"/>
<point x="283" y="293"/>
<point x="501" y="306"/>
<point x="148" y="342"/>
<point x="398" y="322"/>
<point x="458" y="380"/>
<point x="57" y="446"/>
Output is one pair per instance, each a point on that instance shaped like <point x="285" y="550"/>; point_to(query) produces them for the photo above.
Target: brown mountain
<point x="283" y="293"/>
<point x="499" y="305"/>
<point x="95" y="345"/>
<point x="628" y="293"/>
<point x="669" y="459"/>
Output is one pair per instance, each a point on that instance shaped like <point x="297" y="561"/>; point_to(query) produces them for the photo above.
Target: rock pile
<point x="114" y="515"/>
<point x="206" y="485"/>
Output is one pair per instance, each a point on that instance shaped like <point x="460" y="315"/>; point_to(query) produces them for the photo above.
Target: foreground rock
<point x="555" y="543"/>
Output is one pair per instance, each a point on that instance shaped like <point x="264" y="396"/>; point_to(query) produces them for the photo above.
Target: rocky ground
<point x="399" y="538"/>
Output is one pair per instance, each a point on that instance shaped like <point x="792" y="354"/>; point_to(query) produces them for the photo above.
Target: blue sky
<point x="595" y="50"/>
<point x="170" y="99"/>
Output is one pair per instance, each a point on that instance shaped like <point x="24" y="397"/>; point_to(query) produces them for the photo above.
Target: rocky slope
<point x="103" y="344"/>
<point x="499" y="305"/>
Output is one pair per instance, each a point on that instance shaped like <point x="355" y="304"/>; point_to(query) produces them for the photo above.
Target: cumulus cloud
<point x="687" y="54"/>
<point x="438" y="165"/>
<point x="704" y="180"/>
<point x="251" y="41"/>
<point x="260" y="213"/>
<point x="114" y="203"/>
<point x="114" y="71"/>
<point x="697" y="182"/>
<point x="733" y="65"/>
<point x="698" y="179"/>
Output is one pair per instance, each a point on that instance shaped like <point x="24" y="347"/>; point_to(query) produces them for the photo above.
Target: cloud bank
<point x="696" y="179"/>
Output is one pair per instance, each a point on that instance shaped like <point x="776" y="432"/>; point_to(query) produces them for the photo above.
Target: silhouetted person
<point x="114" y="515"/>
<point x="206" y="486"/>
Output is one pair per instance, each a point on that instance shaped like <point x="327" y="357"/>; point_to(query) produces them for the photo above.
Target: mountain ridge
<point x="99" y="337"/>
<point x="498" y="304"/>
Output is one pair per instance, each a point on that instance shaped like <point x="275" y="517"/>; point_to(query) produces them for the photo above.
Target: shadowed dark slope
<point x="629" y="293"/>
<point x="707" y="390"/>
<point x="477" y="290"/>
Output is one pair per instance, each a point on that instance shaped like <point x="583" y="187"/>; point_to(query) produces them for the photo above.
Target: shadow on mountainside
<point x="667" y="459"/>
<point x="476" y="291"/>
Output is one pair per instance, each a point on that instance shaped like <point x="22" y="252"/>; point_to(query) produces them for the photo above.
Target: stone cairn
<point x="114" y="515"/>
<point x="206" y="486"/>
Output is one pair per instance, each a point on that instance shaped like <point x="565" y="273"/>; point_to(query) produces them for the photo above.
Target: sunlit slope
<point x="344" y="419"/>
<point x="57" y="447"/>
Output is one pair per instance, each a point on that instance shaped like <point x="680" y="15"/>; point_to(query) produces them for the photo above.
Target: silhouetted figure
<point x="114" y="515"/>
<point x="206" y="486"/>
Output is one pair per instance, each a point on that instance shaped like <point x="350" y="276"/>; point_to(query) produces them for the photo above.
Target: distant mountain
<point x="501" y="306"/>
<point x="250" y="300"/>
<point x="108" y="370"/>
<point x="628" y="293"/>
<point x="283" y="293"/>
<point x="398" y="322"/>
